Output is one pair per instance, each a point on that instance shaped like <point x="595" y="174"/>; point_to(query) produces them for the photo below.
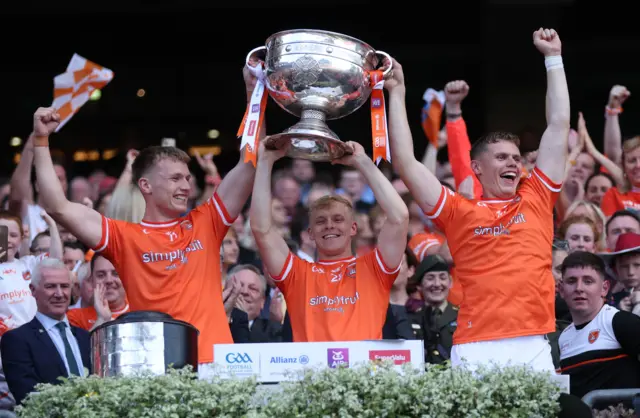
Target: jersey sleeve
<point x="294" y="268"/>
<point x="420" y="243"/>
<point x="626" y="326"/>
<point x="384" y="274"/>
<point x="217" y="213"/>
<point x="112" y="243"/>
<point x="77" y="318"/>
<point x="540" y="190"/>
<point x="609" y="203"/>
<point x="458" y="147"/>
<point x="446" y="209"/>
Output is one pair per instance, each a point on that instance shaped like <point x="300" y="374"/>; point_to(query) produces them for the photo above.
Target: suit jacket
<point x="29" y="357"/>
<point x="265" y="331"/>
<point x="239" y="326"/>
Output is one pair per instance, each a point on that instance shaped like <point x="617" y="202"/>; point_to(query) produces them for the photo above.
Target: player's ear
<point x="310" y="233"/>
<point x="354" y="229"/>
<point x="605" y="288"/>
<point x="144" y="185"/>
<point x="475" y="166"/>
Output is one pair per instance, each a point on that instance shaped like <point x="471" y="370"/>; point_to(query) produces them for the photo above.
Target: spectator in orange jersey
<point x="169" y="262"/>
<point x="339" y="297"/>
<point x="499" y="241"/>
<point x="109" y="299"/>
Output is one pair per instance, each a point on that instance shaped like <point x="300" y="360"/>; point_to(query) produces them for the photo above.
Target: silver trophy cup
<point x="317" y="76"/>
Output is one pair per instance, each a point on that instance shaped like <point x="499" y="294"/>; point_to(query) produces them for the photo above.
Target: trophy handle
<point x="252" y="53"/>
<point x="387" y="56"/>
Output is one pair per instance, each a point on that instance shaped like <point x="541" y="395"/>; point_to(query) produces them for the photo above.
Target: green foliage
<point x="362" y="391"/>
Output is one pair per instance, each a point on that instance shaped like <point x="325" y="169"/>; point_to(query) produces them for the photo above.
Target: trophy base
<point x="309" y="139"/>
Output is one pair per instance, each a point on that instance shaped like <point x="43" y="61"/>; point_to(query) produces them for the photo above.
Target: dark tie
<point x="71" y="359"/>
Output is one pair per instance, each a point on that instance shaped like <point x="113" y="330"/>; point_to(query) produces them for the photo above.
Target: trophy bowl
<point x="317" y="76"/>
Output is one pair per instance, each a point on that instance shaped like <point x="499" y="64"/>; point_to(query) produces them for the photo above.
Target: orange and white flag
<point x="432" y="114"/>
<point x="72" y="89"/>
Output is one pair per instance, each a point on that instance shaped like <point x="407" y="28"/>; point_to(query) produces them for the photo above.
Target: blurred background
<point x="178" y="67"/>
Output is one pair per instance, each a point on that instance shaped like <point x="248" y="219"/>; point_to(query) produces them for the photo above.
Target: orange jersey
<point x="174" y="267"/>
<point x="339" y="300"/>
<point x="85" y="318"/>
<point x="420" y="243"/>
<point x="502" y="255"/>
<point x="613" y="201"/>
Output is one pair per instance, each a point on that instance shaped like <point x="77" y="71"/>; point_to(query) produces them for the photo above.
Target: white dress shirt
<point x="49" y="324"/>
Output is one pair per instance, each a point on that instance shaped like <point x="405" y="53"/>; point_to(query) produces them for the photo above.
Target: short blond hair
<point x="327" y="201"/>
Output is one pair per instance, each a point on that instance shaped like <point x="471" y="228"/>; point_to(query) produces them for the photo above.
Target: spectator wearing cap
<point x="621" y="222"/>
<point x="437" y="321"/>
<point x="625" y="262"/>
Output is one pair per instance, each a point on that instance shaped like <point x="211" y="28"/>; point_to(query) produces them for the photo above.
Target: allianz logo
<point x="303" y="359"/>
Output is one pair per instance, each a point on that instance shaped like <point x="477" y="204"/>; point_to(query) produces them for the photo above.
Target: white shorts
<point x="533" y="351"/>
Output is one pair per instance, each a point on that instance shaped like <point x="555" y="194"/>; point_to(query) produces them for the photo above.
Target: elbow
<point x="399" y="217"/>
<point x="560" y="120"/>
<point x="258" y="229"/>
<point x="54" y="208"/>
<point x="402" y="163"/>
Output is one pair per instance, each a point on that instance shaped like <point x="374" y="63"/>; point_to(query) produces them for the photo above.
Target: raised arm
<point x="423" y="184"/>
<point x="56" y="249"/>
<point x="235" y="188"/>
<point x="552" y="155"/>
<point x="459" y="146"/>
<point x="273" y="248"/>
<point x="84" y="223"/>
<point x="612" y="134"/>
<point x="392" y="240"/>
<point x="614" y="169"/>
<point x="21" y="190"/>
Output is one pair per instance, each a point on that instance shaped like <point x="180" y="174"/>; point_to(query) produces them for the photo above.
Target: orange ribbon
<point x="252" y="123"/>
<point x="379" y="118"/>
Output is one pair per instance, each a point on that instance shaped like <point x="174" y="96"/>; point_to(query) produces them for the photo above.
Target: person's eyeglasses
<point x="559" y="244"/>
<point x="39" y="250"/>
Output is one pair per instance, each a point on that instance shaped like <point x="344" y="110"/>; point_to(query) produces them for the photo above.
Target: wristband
<point x="453" y="115"/>
<point x="611" y="111"/>
<point x="40" y="141"/>
<point x="553" y="62"/>
<point x="212" y="180"/>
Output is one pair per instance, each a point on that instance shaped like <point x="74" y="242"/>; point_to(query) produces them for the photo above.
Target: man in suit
<point x="253" y="287"/>
<point x="47" y="347"/>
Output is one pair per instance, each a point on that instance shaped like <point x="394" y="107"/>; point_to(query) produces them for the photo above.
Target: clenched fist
<point x="456" y="91"/>
<point x="395" y="77"/>
<point x="618" y="95"/>
<point x="45" y="121"/>
<point x="547" y="41"/>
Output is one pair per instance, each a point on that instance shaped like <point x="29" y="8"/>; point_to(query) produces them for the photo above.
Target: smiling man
<point x="500" y="242"/>
<point x="600" y="349"/>
<point x="169" y="262"/>
<point x="339" y="297"/>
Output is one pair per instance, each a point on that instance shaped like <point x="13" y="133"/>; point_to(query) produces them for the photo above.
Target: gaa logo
<point x="376" y="102"/>
<point x="303" y="359"/>
<point x="255" y="108"/>
<point x="379" y="141"/>
<point x="236" y="358"/>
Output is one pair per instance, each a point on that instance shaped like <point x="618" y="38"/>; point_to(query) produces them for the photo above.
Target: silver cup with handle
<point x="317" y="76"/>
